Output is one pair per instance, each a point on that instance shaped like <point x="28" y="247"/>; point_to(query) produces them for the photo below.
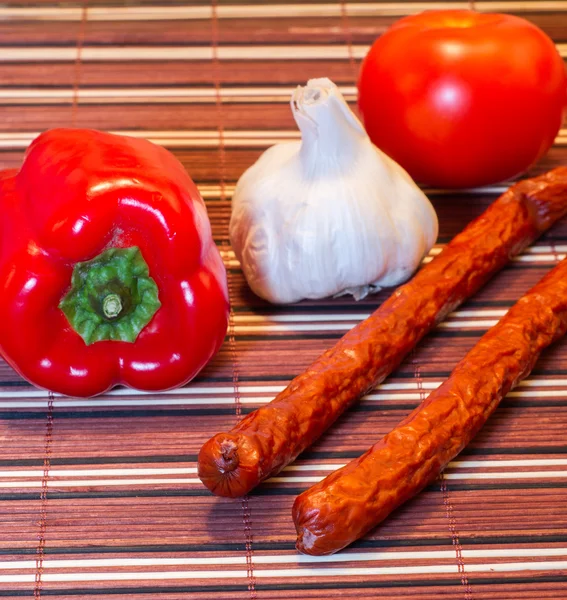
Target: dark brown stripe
<point x="78" y="63"/>
<point x="246" y="511"/>
<point x="41" y="536"/>
<point x="450" y="513"/>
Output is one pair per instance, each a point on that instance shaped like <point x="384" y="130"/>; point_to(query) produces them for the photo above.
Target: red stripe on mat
<point x="38" y="583"/>
<point x="449" y="511"/>
<point x="78" y="64"/>
<point x="41" y="536"/>
<point x="348" y="37"/>
<point x="246" y="512"/>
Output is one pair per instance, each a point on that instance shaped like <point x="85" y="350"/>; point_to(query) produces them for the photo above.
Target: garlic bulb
<point x="330" y="214"/>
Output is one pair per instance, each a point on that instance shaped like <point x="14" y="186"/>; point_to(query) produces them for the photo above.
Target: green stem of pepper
<point x="112" y="297"/>
<point x="112" y="306"/>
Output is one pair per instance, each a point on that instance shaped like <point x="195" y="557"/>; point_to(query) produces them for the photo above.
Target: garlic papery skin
<point x="330" y="214"/>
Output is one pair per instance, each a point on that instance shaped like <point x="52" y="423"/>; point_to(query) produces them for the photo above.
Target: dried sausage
<point x="268" y="439"/>
<point x="352" y="500"/>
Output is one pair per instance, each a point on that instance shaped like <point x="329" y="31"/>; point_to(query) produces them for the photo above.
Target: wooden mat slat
<point x="111" y="490"/>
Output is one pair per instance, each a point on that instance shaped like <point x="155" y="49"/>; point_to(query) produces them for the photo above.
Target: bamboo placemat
<point x="100" y="498"/>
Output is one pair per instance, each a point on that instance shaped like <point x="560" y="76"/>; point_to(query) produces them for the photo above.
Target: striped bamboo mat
<point x="100" y="498"/>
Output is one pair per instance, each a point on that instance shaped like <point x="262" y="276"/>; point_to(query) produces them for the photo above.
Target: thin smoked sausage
<point x="349" y="502"/>
<point x="268" y="439"/>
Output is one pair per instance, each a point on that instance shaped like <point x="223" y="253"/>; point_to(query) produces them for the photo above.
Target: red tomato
<point x="463" y="99"/>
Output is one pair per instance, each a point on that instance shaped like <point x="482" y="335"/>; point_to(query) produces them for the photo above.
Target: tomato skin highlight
<point x="463" y="99"/>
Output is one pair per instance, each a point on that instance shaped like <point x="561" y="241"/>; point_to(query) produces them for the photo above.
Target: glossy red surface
<point x="78" y="193"/>
<point x="461" y="98"/>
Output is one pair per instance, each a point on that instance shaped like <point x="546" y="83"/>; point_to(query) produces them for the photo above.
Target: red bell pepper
<point x="108" y="271"/>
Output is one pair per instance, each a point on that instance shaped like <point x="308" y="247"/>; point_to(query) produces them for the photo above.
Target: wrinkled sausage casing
<point x="351" y="501"/>
<point x="264" y="442"/>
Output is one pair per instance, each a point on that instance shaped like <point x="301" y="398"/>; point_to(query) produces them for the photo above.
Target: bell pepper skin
<point x="105" y="238"/>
